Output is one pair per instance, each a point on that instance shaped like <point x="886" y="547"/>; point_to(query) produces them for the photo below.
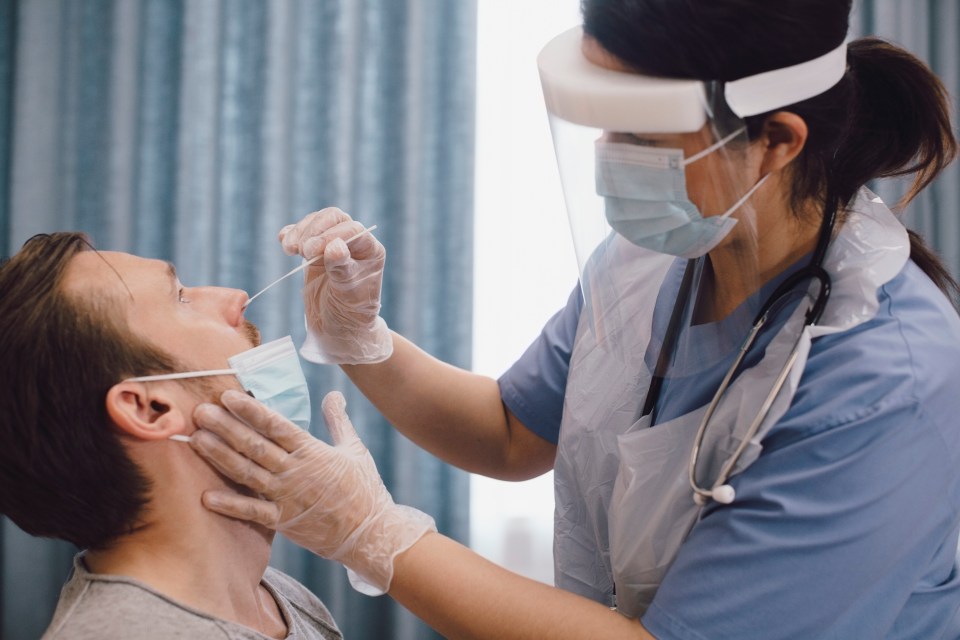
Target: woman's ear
<point x="145" y="410"/>
<point x="784" y="136"/>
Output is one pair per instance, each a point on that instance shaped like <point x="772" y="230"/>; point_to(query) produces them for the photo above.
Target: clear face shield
<point x="653" y="170"/>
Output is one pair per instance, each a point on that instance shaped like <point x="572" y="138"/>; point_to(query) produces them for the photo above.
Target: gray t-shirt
<point x="107" y="607"/>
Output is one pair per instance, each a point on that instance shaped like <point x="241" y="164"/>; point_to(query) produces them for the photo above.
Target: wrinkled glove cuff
<point x="363" y="346"/>
<point x="369" y="552"/>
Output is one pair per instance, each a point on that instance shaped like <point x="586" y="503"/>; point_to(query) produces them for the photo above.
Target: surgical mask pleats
<point x="646" y="200"/>
<point x="273" y="375"/>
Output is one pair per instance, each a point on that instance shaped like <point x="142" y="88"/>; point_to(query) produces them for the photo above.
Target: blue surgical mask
<point x="271" y="373"/>
<point x="645" y="192"/>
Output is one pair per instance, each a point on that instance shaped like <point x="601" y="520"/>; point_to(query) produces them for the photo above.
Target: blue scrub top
<point x="847" y="524"/>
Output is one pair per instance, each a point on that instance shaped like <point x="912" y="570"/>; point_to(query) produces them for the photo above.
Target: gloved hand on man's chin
<point x="341" y="291"/>
<point x="328" y="499"/>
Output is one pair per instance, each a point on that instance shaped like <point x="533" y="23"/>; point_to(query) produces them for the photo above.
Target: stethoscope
<point x="720" y="491"/>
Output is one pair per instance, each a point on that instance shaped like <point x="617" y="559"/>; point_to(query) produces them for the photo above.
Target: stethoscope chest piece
<point x="723" y="494"/>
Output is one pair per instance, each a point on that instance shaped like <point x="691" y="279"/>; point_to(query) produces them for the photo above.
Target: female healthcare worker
<point x="750" y="401"/>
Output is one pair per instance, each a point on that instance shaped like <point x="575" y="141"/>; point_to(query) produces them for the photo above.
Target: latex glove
<point x="328" y="499"/>
<point x="341" y="293"/>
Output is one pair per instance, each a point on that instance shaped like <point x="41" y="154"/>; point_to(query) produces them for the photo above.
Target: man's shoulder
<point x="104" y="609"/>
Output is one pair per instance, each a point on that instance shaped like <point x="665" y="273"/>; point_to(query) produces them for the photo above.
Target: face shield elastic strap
<point x="779" y="88"/>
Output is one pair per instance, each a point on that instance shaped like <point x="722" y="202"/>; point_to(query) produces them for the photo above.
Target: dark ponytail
<point x="900" y="122"/>
<point x="905" y="129"/>
<point x="889" y="115"/>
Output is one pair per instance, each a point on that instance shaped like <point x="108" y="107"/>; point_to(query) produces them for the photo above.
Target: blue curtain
<point x="929" y="29"/>
<point x="192" y="130"/>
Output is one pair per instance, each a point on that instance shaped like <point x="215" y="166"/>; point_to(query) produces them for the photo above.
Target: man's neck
<point x="203" y="560"/>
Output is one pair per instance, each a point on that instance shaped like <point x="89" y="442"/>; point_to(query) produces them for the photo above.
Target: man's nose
<point x="226" y="302"/>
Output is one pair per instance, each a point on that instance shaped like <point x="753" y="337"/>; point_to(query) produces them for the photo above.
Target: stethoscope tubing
<point x="813" y="271"/>
<point x="727" y="469"/>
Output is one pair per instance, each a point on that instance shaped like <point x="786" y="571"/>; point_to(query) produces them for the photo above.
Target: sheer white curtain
<point x="525" y="265"/>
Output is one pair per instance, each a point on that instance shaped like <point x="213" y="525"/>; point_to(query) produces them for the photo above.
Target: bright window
<point x="524" y="261"/>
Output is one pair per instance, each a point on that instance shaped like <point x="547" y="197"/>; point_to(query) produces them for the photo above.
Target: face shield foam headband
<point x="271" y="373"/>
<point x="583" y="93"/>
<point x="641" y="191"/>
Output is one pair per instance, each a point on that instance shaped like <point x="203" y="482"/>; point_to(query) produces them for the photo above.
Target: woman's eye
<point x="180" y="297"/>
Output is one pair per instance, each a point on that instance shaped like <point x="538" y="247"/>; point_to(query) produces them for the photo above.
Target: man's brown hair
<point x="64" y="472"/>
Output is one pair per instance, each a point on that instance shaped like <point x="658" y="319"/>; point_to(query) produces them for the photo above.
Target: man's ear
<point x="145" y="410"/>
<point x="784" y="136"/>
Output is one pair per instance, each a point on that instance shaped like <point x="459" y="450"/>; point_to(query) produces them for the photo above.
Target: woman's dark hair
<point x="888" y="116"/>
<point x="63" y="470"/>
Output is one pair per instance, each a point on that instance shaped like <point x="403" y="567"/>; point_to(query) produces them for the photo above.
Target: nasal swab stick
<point x="305" y="265"/>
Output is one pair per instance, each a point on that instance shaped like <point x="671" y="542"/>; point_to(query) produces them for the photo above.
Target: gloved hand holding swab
<point x="304" y="266"/>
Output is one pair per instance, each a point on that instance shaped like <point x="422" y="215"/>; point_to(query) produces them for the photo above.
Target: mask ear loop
<point x="177" y="437"/>
<point x="184" y="375"/>
<point x="716" y="145"/>
<point x="746" y="196"/>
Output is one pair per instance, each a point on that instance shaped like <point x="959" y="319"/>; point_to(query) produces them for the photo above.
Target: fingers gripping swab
<point x="303" y="266"/>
